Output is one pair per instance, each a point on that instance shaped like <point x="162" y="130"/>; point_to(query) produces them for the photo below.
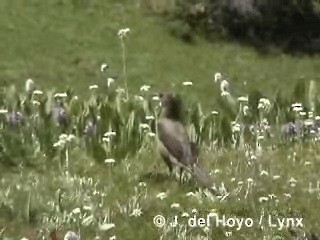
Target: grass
<point x="61" y="44"/>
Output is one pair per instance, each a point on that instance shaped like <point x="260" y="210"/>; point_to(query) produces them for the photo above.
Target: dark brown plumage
<point x="174" y="144"/>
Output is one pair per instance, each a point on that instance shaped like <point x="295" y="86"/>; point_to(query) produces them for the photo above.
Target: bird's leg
<point x="180" y="177"/>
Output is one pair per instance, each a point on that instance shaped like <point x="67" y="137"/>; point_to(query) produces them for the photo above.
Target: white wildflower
<point x="287" y="195"/>
<point x="185" y="214"/>
<point x="243" y="99"/>
<point x="224" y="86"/>
<point x="61" y="95"/>
<point x="233" y="179"/>
<point x="37" y="92"/>
<point x="297" y="109"/>
<point x="151" y="134"/>
<point x="123" y="32"/>
<point x="104" y="67"/>
<point x="30" y="85"/>
<point x="142" y="184"/>
<point x="245" y="110"/>
<point x="250" y="180"/>
<point x="145" y="88"/>
<point x="317" y="118"/>
<point x="110" y="134"/>
<point x="136" y="212"/>
<point x="187" y="83"/>
<point x="307" y="163"/>
<point x="110" y="81"/>
<point x="214" y="113"/>
<point x="144" y="126"/>
<point x="263" y="199"/>
<point x="149" y="117"/>
<point x="217" y="77"/>
<point x="296" y="105"/>
<point x="236" y="128"/>
<point x="308" y="122"/>
<point x="264" y="173"/>
<point x="106" y="139"/>
<point x="71" y="137"/>
<point x="275" y="177"/>
<point x="92" y="87"/>
<point x="302" y="114"/>
<point x="76" y="211"/>
<point x="161" y="195"/>
<point x="190" y="194"/>
<point x="113" y="237"/>
<point x="155" y="98"/>
<point x="175" y="205"/>
<point x="109" y="160"/>
<point x="36" y="103"/>
<point x="106" y="226"/>
<point x="3" y="111"/>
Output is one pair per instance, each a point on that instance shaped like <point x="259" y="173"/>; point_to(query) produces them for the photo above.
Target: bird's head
<point x="171" y="105"/>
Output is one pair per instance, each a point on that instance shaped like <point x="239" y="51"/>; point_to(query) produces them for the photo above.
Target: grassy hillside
<point x="61" y="44"/>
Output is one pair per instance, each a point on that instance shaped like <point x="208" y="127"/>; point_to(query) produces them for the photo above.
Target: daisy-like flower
<point x="110" y="134"/>
<point x="144" y="126"/>
<point x="245" y="110"/>
<point x="3" y="111"/>
<point x="104" y="67"/>
<point x="30" y="85"/>
<point x="109" y="160"/>
<point x="145" y="88"/>
<point x="243" y="99"/>
<point x="187" y="83"/>
<point x="136" y="212"/>
<point x="61" y="95"/>
<point x="155" y="98"/>
<point x="151" y="134"/>
<point x="217" y="77"/>
<point x="149" y="117"/>
<point x="214" y="113"/>
<point x="161" y="195"/>
<point x="123" y="32"/>
<point x="224" y="86"/>
<point x="110" y="81"/>
<point x="287" y="195"/>
<point x="263" y="199"/>
<point x="296" y="105"/>
<point x="93" y="87"/>
<point x="106" y="139"/>
<point x="264" y="173"/>
<point x="37" y="92"/>
<point x="175" y="205"/>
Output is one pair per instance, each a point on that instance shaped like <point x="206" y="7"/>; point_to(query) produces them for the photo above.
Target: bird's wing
<point x="174" y="137"/>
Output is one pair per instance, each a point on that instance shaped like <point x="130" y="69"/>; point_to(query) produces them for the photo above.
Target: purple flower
<point x="91" y="128"/>
<point x="14" y="118"/>
<point x="60" y="116"/>
<point x="289" y="129"/>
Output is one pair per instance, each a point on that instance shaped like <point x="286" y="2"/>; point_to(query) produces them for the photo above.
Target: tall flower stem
<point x="123" y="46"/>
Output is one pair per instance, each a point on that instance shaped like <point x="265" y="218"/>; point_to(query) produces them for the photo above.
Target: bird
<point x="174" y="144"/>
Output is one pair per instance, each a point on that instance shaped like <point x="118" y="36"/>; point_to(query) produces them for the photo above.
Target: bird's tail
<point x="203" y="178"/>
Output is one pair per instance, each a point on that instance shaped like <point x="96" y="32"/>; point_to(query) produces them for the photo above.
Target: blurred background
<point x="60" y="43"/>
